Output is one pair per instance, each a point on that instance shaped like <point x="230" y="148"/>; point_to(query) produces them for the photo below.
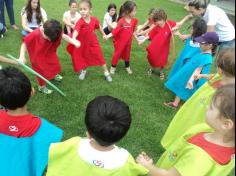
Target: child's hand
<point x="77" y="43"/>
<point x="105" y="37"/>
<point x="22" y="60"/>
<point x="144" y="159"/>
<point x="198" y="76"/>
<point x="189" y="85"/>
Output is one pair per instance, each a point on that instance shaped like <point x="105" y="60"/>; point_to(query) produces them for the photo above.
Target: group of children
<point x="203" y="146"/>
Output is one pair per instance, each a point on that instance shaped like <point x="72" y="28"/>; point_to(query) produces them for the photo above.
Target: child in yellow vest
<point x="205" y="150"/>
<point x="107" y="120"/>
<point x="194" y="110"/>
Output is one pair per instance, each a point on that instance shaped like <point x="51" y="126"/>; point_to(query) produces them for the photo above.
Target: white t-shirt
<point x="33" y="23"/>
<point x="73" y="19"/>
<point x="215" y="16"/>
<point x="113" y="159"/>
<point x="107" y="18"/>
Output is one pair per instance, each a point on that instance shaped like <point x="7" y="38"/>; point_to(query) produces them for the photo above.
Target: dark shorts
<point x="106" y="31"/>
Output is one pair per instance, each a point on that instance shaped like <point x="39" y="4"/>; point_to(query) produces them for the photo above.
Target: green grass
<point x="145" y="95"/>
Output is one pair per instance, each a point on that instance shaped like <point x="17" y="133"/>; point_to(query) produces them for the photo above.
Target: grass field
<point x="145" y="95"/>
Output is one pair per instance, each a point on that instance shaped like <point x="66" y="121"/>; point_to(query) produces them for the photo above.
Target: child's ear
<point x="32" y="91"/>
<point x="228" y="124"/>
<point x="219" y="70"/>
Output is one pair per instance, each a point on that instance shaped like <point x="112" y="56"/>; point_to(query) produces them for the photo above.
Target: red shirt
<point x="220" y="154"/>
<point x="18" y="126"/>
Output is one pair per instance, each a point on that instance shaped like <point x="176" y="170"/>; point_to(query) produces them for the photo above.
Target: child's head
<point x="128" y="9"/>
<point x="199" y="28"/>
<point x="85" y="7"/>
<point x="208" y="41"/>
<point x="15" y="88"/>
<point x="221" y="113"/>
<point x="159" y="17"/>
<point x="52" y="30"/>
<point x="198" y="7"/>
<point x="33" y="5"/>
<point x="225" y="62"/>
<point x="107" y="120"/>
<point x="73" y="6"/>
<point x="150" y="13"/>
<point x="111" y="9"/>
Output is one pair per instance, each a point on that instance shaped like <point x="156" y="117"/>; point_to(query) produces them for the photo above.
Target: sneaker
<point x="113" y="70"/>
<point x="82" y="74"/>
<point x="129" y="71"/>
<point x="45" y="90"/>
<point x="58" y="78"/>
<point x="108" y="78"/>
<point x="150" y="72"/>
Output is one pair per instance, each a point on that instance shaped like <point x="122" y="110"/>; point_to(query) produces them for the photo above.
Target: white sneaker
<point x="108" y="78"/>
<point x="129" y="71"/>
<point x="82" y="75"/>
<point x="113" y="70"/>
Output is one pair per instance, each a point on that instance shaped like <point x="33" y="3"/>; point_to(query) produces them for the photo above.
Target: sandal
<point x="150" y="71"/>
<point x="171" y="105"/>
<point x="162" y="75"/>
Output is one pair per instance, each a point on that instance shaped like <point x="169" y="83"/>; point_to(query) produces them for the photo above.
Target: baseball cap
<point x="208" y="38"/>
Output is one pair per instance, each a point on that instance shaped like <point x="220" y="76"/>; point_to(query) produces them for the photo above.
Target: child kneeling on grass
<point x="24" y="137"/>
<point x="42" y="45"/>
<point x="107" y="120"/>
<point x="203" y="150"/>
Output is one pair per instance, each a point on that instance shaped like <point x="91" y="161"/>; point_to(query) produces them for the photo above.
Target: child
<point x="182" y="84"/>
<point x="42" y="45"/>
<point x="160" y="36"/>
<point x="191" y="48"/>
<point x="90" y="53"/>
<point x="24" y="137"/>
<point x="32" y="17"/>
<point x="71" y="17"/>
<point x="145" y="28"/>
<point x="3" y="30"/>
<point x="122" y="35"/>
<point x="192" y="112"/>
<point x="203" y="150"/>
<point x="107" y="120"/>
<point x="110" y="19"/>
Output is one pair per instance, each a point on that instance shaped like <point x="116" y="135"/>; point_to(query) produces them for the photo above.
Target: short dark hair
<point x="88" y="2"/>
<point x="224" y="101"/>
<point x="226" y="61"/>
<point x="15" y="88"/>
<point x="159" y="14"/>
<point x="107" y="120"/>
<point x="197" y="4"/>
<point x="52" y="29"/>
<point x="199" y="28"/>
<point x="72" y="2"/>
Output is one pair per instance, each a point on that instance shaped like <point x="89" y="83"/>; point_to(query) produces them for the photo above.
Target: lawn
<point x="145" y="95"/>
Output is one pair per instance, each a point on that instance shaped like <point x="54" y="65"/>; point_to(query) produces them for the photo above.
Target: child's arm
<point x="68" y="23"/>
<point x="180" y="23"/>
<point x="6" y="60"/>
<point x="147" y="162"/>
<point x="22" y="53"/>
<point x="206" y="76"/>
<point x="102" y="32"/>
<point x="70" y="40"/>
<point x="142" y="27"/>
<point x="24" y="23"/>
<point x="192" y="78"/>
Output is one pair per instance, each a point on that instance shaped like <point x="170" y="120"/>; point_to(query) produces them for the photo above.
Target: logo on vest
<point x="98" y="163"/>
<point x="13" y="129"/>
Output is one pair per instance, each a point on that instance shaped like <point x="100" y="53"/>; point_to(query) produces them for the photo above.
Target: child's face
<point x="133" y="13"/>
<point x="34" y="4"/>
<point x="73" y="7"/>
<point x="161" y="23"/>
<point x="205" y="46"/>
<point x="84" y="9"/>
<point x="196" y="12"/>
<point x="212" y="117"/>
<point x="112" y="11"/>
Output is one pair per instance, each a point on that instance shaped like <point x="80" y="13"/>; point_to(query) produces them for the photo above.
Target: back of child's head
<point x="199" y="28"/>
<point x="126" y="8"/>
<point x="15" y="88"/>
<point x="72" y="2"/>
<point x="52" y="29"/>
<point x="226" y="62"/>
<point x="88" y="2"/>
<point x="107" y="120"/>
<point x="224" y="101"/>
<point x="159" y="15"/>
